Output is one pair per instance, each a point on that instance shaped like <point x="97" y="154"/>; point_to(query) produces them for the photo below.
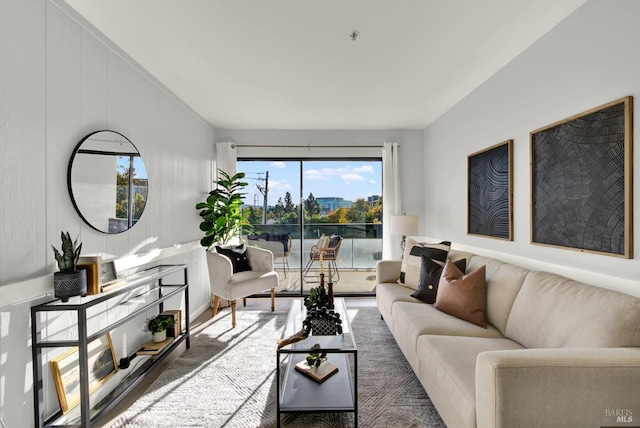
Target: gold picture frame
<point x="92" y="266"/>
<point x="65" y="369"/>
<point x="581" y="181"/>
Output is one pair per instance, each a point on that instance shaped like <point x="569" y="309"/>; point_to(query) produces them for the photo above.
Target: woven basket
<point x="320" y="327"/>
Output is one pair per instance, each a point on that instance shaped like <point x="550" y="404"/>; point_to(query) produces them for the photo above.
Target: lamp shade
<point x="404" y="225"/>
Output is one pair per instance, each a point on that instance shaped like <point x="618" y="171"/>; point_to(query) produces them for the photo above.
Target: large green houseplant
<point x="221" y="215"/>
<point x="69" y="281"/>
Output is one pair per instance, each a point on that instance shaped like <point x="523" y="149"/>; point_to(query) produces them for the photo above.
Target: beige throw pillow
<point x="463" y="296"/>
<point x="412" y="260"/>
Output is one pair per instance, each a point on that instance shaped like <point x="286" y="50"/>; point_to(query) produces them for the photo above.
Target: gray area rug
<point x="226" y="379"/>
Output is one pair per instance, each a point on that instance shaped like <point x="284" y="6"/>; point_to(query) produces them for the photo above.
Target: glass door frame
<point x="301" y="224"/>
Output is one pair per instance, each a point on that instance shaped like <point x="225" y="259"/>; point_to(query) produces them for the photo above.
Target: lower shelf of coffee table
<point x="302" y="394"/>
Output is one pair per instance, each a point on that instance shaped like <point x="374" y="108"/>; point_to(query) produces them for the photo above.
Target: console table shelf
<point x="157" y="292"/>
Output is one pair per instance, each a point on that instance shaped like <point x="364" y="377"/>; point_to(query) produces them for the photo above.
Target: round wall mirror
<point x="108" y="182"/>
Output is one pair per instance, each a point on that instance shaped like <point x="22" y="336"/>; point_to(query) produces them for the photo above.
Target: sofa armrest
<point x="261" y="260"/>
<point x="557" y="387"/>
<point x="388" y="271"/>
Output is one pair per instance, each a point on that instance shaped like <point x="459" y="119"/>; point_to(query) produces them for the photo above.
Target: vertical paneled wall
<point x="60" y="80"/>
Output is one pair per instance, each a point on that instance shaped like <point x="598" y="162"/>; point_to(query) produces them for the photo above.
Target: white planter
<point x="160" y="337"/>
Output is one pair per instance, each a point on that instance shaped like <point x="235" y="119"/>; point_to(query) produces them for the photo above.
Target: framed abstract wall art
<point x="581" y="181"/>
<point x="490" y="192"/>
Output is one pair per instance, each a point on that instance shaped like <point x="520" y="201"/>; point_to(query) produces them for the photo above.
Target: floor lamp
<point x="404" y="225"/>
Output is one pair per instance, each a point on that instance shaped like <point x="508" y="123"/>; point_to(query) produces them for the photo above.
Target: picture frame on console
<point x="490" y="192"/>
<point x="581" y="181"/>
<point x="65" y="369"/>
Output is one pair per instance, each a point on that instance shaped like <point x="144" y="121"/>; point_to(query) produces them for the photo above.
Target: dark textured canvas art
<point x="490" y="192"/>
<point x="581" y="181"/>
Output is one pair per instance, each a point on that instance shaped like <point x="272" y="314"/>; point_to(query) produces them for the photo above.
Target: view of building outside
<point x="308" y="199"/>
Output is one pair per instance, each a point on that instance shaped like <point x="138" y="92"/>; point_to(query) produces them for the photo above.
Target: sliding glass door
<point x="329" y="203"/>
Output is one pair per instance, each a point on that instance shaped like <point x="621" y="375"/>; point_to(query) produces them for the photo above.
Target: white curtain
<point x="226" y="159"/>
<point x="391" y="200"/>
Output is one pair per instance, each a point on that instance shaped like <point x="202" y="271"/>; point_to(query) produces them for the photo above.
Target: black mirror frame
<point x="70" y="186"/>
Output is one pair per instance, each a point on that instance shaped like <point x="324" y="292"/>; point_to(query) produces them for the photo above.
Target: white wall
<point x="410" y="141"/>
<point x="589" y="59"/>
<point x="59" y="81"/>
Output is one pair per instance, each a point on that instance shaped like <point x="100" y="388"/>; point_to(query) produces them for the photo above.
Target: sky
<point x="346" y="179"/>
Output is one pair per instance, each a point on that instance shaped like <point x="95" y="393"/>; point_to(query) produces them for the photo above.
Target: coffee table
<point x="297" y="393"/>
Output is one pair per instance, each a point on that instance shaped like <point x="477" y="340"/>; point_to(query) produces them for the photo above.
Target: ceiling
<point x="290" y="64"/>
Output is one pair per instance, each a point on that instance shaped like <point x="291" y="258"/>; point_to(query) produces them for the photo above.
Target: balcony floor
<point x="351" y="281"/>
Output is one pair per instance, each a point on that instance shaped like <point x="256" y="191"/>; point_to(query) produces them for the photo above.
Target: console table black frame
<point x="152" y="278"/>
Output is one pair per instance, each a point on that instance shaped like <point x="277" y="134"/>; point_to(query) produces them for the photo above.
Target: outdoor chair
<point x="279" y="244"/>
<point x="230" y="285"/>
<point x="328" y="248"/>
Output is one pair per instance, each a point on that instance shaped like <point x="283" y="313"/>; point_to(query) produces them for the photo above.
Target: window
<point x="305" y="199"/>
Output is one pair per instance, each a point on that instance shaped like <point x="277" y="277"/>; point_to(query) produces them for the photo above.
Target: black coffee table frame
<point x="297" y="393"/>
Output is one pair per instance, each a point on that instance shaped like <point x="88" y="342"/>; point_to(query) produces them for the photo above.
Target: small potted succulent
<point x="69" y="281"/>
<point x="158" y="326"/>
<point x="314" y="359"/>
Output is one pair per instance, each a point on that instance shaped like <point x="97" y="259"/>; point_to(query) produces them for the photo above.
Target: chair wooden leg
<point x="244" y="301"/>
<point x="216" y="304"/>
<point x="233" y="314"/>
<point x="273" y="299"/>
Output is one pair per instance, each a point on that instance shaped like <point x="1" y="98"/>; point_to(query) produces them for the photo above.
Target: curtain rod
<point x="308" y="146"/>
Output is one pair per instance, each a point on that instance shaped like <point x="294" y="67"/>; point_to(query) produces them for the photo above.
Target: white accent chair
<point x="231" y="286"/>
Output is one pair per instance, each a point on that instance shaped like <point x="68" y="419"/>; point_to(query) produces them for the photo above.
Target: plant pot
<point x="160" y="336"/>
<point x="322" y="327"/>
<point x="68" y="284"/>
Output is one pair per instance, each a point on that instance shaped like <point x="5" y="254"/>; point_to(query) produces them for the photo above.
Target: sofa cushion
<point x="463" y="296"/>
<point x="447" y="370"/>
<point x="411" y="259"/>
<point x="430" y="273"/>
<point x="389" y="293"/>
<point x="503" y="283"/>
<point x="551" y="311"/>
<point x="414" y="319"/>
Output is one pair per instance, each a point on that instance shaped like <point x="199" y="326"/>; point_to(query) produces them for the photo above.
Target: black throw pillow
<point x="430" y="273"/>
<point x="237" y="255"/>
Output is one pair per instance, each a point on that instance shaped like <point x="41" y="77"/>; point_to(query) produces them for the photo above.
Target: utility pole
<point x="265" y="192"/>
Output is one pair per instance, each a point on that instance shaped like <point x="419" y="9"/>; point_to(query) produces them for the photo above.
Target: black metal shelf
<point x="153" y="276"/>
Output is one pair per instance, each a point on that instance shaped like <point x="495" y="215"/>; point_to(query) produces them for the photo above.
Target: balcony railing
<point x="361" y="242"/>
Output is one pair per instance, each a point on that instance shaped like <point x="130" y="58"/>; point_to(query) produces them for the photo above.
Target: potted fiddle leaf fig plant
<point x="69" y="281"/>
<point x="221" y="215"/>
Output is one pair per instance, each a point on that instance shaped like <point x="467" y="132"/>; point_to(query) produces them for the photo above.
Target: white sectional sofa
<point x="555" y="353"/>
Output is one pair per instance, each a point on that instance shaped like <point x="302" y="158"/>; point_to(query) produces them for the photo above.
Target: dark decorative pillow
<point x="411" y="260"/>
<point x="463" y="296"/>
<point x="430" y="273"/>
<point x="333" y="241"/>
<point x="237" y="255"/>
